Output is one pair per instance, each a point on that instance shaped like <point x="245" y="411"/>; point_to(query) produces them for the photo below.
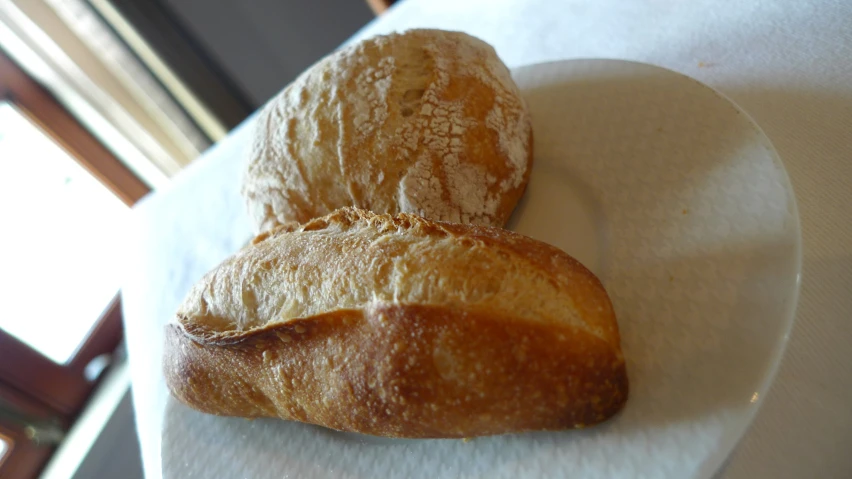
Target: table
<point x="787" y="62"/>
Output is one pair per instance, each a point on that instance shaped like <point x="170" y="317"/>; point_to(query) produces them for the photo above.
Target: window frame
<point x="45" y="111"/>
<point x="36" y="385"/>
<point x="24" y="458"/>
<point x="171" y="40"/>
<point x="63" y="387"/>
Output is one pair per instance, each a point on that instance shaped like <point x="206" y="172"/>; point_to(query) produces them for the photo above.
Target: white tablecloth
<point x="788" y="63"/>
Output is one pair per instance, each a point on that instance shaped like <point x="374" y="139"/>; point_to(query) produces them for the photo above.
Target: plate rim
<point x="732" y="437"/>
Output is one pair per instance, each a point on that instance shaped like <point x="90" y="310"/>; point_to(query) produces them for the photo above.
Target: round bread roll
<point x="426" y="122"/>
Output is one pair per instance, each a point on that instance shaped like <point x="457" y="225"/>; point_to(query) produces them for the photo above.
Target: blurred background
<point x="102" y="101"/>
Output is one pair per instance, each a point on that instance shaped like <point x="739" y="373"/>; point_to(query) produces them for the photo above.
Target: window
<point x="5" y="444"/>
<point x="64" y="256"/>
<point x="63" y="200"/>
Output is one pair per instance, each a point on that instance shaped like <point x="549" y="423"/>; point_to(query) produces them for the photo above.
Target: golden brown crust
<point x="508" y="334"/>
<point x="404" y="371"/>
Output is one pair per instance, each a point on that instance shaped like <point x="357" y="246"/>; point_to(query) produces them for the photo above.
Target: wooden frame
<point x="164" y="33"/>
<point x="25" y="458"/>
<point x="64" y="388"/>
<point x="30" y="382"/>
<point x="40" y="107"/>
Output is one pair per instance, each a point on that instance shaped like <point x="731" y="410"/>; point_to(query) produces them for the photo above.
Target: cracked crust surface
<point x="428" y="122"/>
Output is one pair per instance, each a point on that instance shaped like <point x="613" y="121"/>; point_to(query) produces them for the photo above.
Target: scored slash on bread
<point x="400" y="327"/>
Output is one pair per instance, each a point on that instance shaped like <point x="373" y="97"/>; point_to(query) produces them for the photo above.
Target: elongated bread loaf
<point x="401" y="327"/>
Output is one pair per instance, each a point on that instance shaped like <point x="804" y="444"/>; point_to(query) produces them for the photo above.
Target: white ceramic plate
<point x="678" y="202"/>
